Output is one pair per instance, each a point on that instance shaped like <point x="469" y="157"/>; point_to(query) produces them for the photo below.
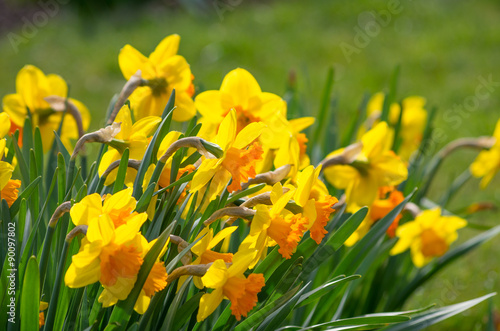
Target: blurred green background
<point x="443" y="47"/>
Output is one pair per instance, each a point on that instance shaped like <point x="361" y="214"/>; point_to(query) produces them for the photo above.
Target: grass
<point x="442" y="47"/>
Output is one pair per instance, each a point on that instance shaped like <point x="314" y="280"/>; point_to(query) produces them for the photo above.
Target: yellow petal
<point x="249" y="133"/>
<point x="375" y="140"/>
<point x="142" y="303"/>
<point x="169" y="139"/>
<point x="227" y="131"/>
<point x="131" y="60"/>
<point x="85" y="210"/>
<point x="80" y="277"/>
<point x="209" y="105"/>
<point x="168" y="47"/>
<point x="185" y="108"/>
<point x="15" y="107"/>
<point x="130" y="231"/>
<point x="57" y="86"/>
<point x="4" y="125"/>
<point x="216" y="275"/>
<point x="205" y="172"/>
<point x="241" y="85"/>
<point x="222" y="234"/>
<point x="176" y="71"/>
<point x="33" y="86"/>
<point x="101" y="229"/>
<point x="125" y="118"/>
<point x="241" y="261"/>
<point x="119" y="201"/>
<point x="208" y="303"/>
<point x="6" y="170"/>
<point x="302" y="123"/>
<point x="305" y="182"/>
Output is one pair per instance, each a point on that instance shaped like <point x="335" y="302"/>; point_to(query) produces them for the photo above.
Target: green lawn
<point x="442" y="48"/>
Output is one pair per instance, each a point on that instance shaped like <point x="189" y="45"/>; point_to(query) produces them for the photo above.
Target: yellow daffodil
<point x="156" y="281"/>
<point x="412" y="123"/>
<point x="8" y="187"/>
<point x="312" y="190"/>
<point x="238" y="162"/>
<point x="239" y="91"/>
<point x="164" y="71"/>
<point x="374" y="167"/>
<point x="232" y="284"/>
<point x="32" y="86"/>
<point x="387" y="200"/>
<point x="277" y="225"/>
<point x="118" y="207"/>
<point x="487" y="162"/>
<point x="428" y="236"/>
<point x="203" y="248"/>
<point x="107" y="253"/>
<point x="135" y="137"/>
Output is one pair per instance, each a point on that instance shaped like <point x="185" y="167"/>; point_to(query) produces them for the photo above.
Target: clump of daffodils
<point x="226" y="220"/>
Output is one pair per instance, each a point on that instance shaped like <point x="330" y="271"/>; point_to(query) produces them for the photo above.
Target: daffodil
<point x="239" y="91"/>
<point x="118" y="207"/>
<point x="487" y="163"/>
<point x="32" y="87"/>
<point x="277" y="225"/>
<point x="387" y="200"/>
<point x="156" y="281"/>
<point x="134" y="136"/>
<point x="241" y="152"/>
<point x="281" y="139"/>
<point x="203" y="248"/>
<point x="41" y="316"/>
<point x="4" y="130"/>
<point x="164" y="71"/>
<point x="412" y="123"/>
<point x="374" y="167"/>
<point x="312" y="190"/>
<point x="8" y="187"/>
<point x="428" y="236"/>
<point x="107" y="253"/>
<point x="232" y="284"/>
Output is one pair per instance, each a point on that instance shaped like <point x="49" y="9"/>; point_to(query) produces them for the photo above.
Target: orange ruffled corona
<point x="241" y="164"/>
<point x="287" y="232"/>
<point x="10" y="191"/>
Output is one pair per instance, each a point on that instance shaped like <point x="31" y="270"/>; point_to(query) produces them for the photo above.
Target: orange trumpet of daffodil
<point x="164" y="71"/>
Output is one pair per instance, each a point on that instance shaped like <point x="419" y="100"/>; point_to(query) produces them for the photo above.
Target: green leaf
<point x="325" y="104"/>
<point x="368" y="320"/>
<point x="174" y="306"/>
<point x="338" y="238"/>
<point x="324" y="289"/>
<point x="30" y="297"/>
<point x="186" y="310"/>
<point x="391" y="96"/>
<point x="25" y="194"/>
<point x="145" y="199"/>
<point x="422" y="321"/>
<point x="122" y="172"/>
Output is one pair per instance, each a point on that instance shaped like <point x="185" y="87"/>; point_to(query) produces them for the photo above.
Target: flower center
<point x="119" y="261"/>
<point x="432" y="244"/>
<point x="243" y="293"/>
<point x="158" y="86"/>
<point x="241" y="164"/>
<point x="287" y="232"/>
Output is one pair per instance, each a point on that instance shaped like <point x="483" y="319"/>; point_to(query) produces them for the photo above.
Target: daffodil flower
<point x="4" y="130"/>
<point x="374" y="167"/>
<point x="135" y="137"/>
<point x="156" y="281"/>
<point x="32" y="86"/>
<point x="118" y="207"/>
<point x="41" y="315"/>
<point x="232" y="284"/>
<point x="239" y="91"/>
<point x="164" y="71"/>
<point x="428" y="236"/>
<point x="107" y="253"/>
<point x="311" y="190"/>
<point x="203" y="248"/>
<point x="237" y="162"/>
<point x="487" y="163"/>
<point x="277" y="225"/>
